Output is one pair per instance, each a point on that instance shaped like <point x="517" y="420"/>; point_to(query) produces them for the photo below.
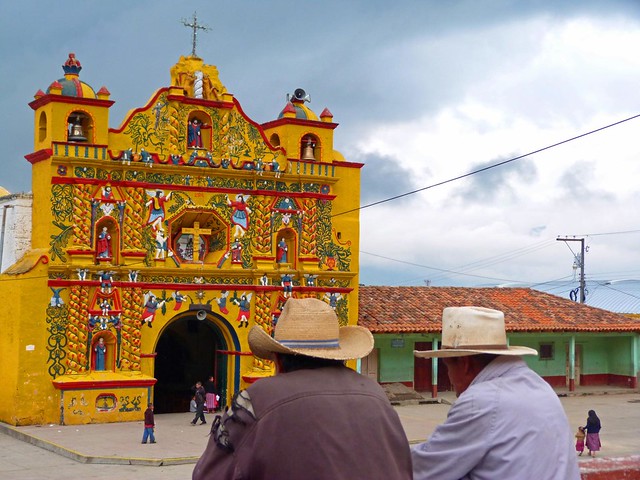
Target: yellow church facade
<point x="158" y="244"/>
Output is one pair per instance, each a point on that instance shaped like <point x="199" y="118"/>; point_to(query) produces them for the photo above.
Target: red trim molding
<point x="39" y="156"/>
<point x="299" y="121"/>
<point x="102" y="384"/>
<point x="42" y="101"/>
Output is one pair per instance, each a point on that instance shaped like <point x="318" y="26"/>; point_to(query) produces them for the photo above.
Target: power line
<point x="608" y="233"/>
<point x="500" y="258"/>
<point x="490" y="261"/>
<point x="484" y="169"/>
<point x="435" y="268"/>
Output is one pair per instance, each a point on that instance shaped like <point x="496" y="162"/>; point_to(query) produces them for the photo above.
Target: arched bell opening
<point x="80" y="127"/>
<point x="310" y="147"/>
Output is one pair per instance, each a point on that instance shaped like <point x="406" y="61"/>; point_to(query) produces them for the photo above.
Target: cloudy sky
<point x="424" y="92"/>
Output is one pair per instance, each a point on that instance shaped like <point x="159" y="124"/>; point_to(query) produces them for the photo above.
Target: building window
<point x="546" y="351"/>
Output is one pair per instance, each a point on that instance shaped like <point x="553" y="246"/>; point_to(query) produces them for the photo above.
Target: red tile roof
<point x="419" y="310"/>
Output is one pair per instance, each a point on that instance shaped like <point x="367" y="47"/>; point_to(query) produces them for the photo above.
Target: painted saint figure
<point x="194" y="137"/>
<point x="161" y="244"/>
<point x="244" y="305"/>
<point x="236" y="251"/>
<point x="239" y="215"/>
<point x="100" y="350"/>
<point x="107" y="193"/>
<point x="282" y="251"/>
<point x="103" y="244"/>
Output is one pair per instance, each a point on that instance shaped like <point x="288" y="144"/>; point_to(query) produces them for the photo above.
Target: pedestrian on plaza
<point x="316" y="418"/>
<point x="593" y="433"/>
<point x="507" y="422"/>
<point x="193" y="408"/>
<point x="149" y="425"/>
<point x="200" y="398"/>
<point x="580" y="441"/>
<point x="211" y="394"/>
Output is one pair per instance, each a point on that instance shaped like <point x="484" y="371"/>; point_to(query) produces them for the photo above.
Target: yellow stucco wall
<point x="148" y="186"/>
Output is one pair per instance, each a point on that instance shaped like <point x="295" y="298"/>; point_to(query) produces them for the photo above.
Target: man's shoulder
<point x="320" y="381"/>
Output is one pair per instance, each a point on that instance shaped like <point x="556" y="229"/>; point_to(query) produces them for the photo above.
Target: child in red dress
<point x="580" y="441"/>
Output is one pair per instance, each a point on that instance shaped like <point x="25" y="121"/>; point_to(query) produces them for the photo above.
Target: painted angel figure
<point x="156" y="204"/>
<point x="151" y="304"/>
<point x="311" y="279"/>
<point x="179" y="299"/>
<point x="332" y="298"/>
<point x="286" y="281"/>
<point x="106" y="280"/>
<point x="239" y="214"/>
<point x="222" y="302"/>
<point x="105" y="306"/>
<point x="56" y="301"/>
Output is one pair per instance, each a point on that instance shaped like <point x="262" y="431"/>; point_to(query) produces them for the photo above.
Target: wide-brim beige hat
<point x="308" y="326"/>
<point x="472" y="331"/>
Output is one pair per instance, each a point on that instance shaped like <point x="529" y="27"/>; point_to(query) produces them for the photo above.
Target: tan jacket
<point x="328" y="423"/>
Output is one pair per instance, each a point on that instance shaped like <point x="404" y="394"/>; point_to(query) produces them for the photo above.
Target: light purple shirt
<point x="509" y="424"/>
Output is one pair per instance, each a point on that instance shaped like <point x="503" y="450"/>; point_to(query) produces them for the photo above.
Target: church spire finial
<point x="194" y="25"/>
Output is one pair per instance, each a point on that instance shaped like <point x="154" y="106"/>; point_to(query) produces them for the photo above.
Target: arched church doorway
<point x="187" y="353"/>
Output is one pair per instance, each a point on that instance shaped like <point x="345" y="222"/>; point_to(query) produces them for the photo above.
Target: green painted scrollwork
<point x="59" y="242"/>
<point x="57" y="319"/>
<point x="84" y="172"/>
<point x="327" y="249"/>
<point x="62" y="202"/>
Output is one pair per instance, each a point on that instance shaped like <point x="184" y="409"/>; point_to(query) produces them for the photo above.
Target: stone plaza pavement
<point x="110" y="451"/>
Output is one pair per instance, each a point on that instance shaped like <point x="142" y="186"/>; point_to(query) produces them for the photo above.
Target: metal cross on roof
<point x="196" y="27"/>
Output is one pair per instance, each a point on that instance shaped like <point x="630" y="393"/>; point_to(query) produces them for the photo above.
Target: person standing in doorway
<point x="149" y="425"/>
<point x="211" y="394"/>
<point x="200" y="397"/>
<point x="593" y="433"/>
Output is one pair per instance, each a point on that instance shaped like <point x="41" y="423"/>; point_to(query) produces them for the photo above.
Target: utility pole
<point x="580" y="262"/>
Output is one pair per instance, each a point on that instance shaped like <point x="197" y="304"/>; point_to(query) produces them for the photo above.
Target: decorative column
<point x="434" y="370"/>
<point x="572" y="363"/>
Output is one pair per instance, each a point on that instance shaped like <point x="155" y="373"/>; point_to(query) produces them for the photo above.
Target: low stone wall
<point x="620" y="468"/>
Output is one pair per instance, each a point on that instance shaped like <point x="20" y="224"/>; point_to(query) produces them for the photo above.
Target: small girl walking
<point x="580" y="441"/>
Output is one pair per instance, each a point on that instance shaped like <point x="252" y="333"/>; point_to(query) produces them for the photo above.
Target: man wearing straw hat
<point x="316" y="418"/>
<point x="507" y="422"/>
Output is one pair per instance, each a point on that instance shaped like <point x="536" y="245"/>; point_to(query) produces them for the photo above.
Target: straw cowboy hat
<point x="308" y="326"/>
<point x="472" y="331"/>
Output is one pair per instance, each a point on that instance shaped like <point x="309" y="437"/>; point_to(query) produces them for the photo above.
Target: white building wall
<point x="15" y="227"/>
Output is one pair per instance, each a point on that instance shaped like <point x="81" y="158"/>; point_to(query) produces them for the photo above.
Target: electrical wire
<point x="484" y="169"/>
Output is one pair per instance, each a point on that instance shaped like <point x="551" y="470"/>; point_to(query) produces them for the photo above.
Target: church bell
<point x="76" y="134"/>
<point x="307" y="153"/>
